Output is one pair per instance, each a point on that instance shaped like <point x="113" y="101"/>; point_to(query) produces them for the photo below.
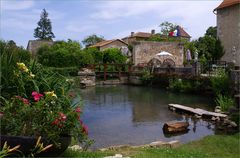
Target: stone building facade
<point x="34" y="45"/>
<point x="228" y="29"/>
<point x="145" y="51"/>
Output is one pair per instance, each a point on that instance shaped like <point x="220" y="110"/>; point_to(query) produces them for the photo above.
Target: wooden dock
<point x="196" y="111"/>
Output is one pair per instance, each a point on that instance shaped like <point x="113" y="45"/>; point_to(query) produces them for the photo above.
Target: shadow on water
<point x="132" y="115"/>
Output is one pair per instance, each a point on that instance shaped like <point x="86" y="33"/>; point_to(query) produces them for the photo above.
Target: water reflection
<point x="135" y="115"/>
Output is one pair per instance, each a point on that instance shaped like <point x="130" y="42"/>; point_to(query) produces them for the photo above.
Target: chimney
<point x="132" y="33"/>
<point x="153" y="32"/>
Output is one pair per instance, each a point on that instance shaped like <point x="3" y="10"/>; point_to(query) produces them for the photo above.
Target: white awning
<point x="163" y="53"/>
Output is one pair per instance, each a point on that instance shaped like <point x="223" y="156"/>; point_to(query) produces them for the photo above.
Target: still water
<point x="118" y="115"/>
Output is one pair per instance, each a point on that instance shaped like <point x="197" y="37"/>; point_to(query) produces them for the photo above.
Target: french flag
<point x="174" y="33"/>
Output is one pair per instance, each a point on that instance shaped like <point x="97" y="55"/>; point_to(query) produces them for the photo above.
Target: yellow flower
<point x="22" y="67"/>
<point x="52" y="94"/>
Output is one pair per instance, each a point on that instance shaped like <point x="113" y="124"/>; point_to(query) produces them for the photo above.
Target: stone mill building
<point x="228" y="29"/>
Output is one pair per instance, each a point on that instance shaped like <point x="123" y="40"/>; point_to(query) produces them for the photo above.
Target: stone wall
<point x="34" y="45"/>
<point x="228" y="30"/>
<point x="86" y="78"/>
<point x="144" y="51"/>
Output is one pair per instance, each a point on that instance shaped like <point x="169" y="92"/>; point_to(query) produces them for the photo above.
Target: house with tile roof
<point x="144" y="36"/>
<point x="115" y="43"/>
<point x="228" y="29"/>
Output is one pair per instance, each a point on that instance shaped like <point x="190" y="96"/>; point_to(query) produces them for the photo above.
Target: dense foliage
<point x="220" y="82"/>
<point x="35" y="101"/>
<point x="10" y="55"/>
<point x="64" y="54"/>
<point x="97" y="54"/>
<point x="225" y="102"/>
<point x="209" y="46"/>
<point x="44" y="28"/>
<point x="114" y="55"/>
<point x="69" y="54"/>
<point x="167" y="27"/>
<point x="92" y="39"/>
<point x="160" y="38"/>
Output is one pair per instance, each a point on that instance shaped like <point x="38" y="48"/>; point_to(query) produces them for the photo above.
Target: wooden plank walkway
<point x="197" y="111"/>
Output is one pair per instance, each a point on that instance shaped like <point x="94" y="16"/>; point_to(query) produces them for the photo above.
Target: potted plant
<point x="39" y="106"/>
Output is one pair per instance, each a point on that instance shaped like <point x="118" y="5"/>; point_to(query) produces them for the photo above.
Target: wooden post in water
<point x="119" y="71"/>
<point x="105" y="72"/>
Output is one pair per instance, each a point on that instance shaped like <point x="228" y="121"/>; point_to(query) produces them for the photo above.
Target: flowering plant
<point x="41" y="106"/>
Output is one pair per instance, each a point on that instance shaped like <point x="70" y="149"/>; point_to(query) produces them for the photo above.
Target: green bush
<point x="97" y="55"/>
<point x="220" y="82"/>
<point x="40" y="105"/>
<point x="146" y="77"/>
<point x="114" y="55"/>
<point x="64" y="54"/>
<point x="180" y="85"/>
<point x="10" y="55"/>
<point x="66" y="71"/>
<point x="225" y="102"/>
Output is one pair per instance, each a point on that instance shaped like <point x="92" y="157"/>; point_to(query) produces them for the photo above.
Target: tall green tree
<point x="92" y="39"/>
<point x="209" y="45"/>
<point x="167" y="27"/>
<point x="44" y="28"/>
<point x="212" y="32"/>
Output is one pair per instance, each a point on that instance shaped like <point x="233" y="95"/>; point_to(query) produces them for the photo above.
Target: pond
<point x="132" y="115"/>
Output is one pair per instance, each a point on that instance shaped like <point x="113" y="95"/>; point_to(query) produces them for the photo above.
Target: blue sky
<point x="76" y="19"/>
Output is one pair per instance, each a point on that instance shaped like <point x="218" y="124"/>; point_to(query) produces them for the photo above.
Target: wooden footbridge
<point x="197" y="111"/>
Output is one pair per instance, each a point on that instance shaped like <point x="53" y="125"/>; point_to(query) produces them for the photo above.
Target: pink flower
<point x="78" y="110"/>
<point x="63" y="117"/>
<point x="36" y="96"/>
<point x="25" y="101"/>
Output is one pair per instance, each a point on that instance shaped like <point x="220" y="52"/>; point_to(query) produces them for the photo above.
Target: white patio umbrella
<point x="163" y="53"/>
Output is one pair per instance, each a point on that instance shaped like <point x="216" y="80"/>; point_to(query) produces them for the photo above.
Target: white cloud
<point x="119" y="9"/>
<point x="194" y="16"/>
<point x="80" y="28"/>
<point x="16" y="4"/>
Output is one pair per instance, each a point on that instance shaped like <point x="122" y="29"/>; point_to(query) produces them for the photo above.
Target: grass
<point x="224" y="146"/>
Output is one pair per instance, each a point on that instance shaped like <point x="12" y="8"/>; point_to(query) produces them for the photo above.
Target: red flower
<point x="85" y="129"/>
<point x="55" y="122"/>
<point x="63" y="117"/>
<point x="78" y="110"/>
<point x="36" y="96"/>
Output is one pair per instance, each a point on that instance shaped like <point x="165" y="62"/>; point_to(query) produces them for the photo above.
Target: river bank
<point x="209" y="146"/>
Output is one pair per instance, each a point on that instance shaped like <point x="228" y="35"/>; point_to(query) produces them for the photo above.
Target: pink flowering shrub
<point x="41" y="107"/>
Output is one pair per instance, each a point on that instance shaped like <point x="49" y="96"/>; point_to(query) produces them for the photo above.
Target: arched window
<point x="154" y="62"/>
<point x="168" y="63"/>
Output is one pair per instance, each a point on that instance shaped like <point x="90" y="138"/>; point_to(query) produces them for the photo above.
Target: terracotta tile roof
<point x="140" y="34"/>
<point x="227" y="3"/>
<point x="183" y="33"/>
<point x="103" y="43"/>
